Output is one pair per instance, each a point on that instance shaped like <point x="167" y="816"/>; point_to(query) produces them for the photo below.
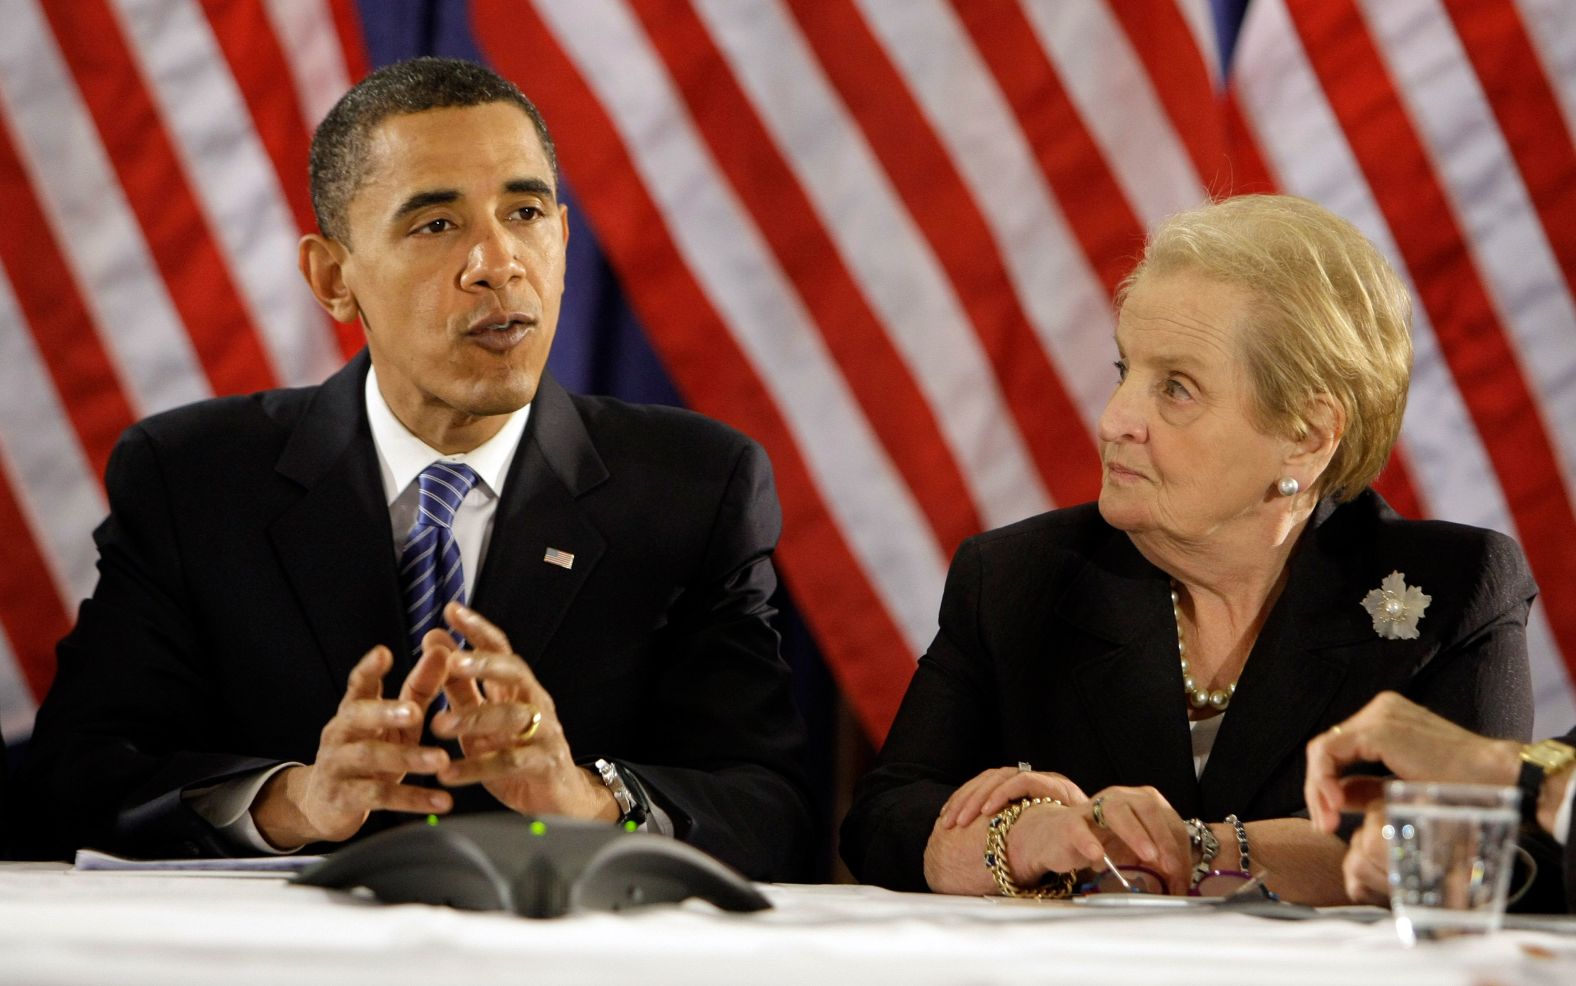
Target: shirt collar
<point x="402" y="456"/>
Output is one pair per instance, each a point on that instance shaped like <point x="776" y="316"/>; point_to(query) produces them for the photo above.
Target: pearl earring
<point x="1288" y="486"/>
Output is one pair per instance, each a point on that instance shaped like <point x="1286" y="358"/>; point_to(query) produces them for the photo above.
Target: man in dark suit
<point x="1415" y="744"/>
<point x="264" y="663"/>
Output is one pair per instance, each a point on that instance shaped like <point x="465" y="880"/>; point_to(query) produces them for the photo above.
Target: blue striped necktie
<point x="430" y="572"/>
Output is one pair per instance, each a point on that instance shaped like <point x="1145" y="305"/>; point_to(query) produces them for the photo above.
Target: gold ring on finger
<point x="1098" y="810"/>
<point x="529" y="731"/>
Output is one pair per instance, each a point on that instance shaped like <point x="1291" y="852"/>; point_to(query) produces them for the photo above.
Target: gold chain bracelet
<point x="1055" y="886"/>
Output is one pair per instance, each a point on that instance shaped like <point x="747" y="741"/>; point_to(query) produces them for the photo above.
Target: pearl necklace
<point x="1196" y="696"/>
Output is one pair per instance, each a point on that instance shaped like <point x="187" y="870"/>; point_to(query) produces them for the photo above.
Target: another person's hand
<point x="363" y="755"/>
<point x="990" y="791"/>
<point x="1412" y="742"/>
<point x="508" y="727"/>
<point x="1364" y="869"/>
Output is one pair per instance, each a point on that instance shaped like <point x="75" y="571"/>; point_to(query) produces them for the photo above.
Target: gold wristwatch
<point x="1538" y="761"/>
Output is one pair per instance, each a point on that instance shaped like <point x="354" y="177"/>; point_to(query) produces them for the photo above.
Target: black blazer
<point x="248" y="562"/>
<point x="1057" y="646"/>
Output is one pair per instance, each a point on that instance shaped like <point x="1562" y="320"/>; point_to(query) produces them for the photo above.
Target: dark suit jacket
<point x="1569" y="854"/>
<point x="1057" y="646"/>
<point x="248" y="562"/>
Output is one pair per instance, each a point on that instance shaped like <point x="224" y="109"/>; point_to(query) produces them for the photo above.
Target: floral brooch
<point x="1396" y="607"/>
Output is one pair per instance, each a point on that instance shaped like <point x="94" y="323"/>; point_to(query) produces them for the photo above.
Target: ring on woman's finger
<point x="530" y="731"/>
<point x="1024" y="766"/>
<point x="1335" y="730"/>
<point x="1098" y="809"/>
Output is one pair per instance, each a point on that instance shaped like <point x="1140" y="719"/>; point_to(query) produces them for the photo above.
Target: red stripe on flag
<point x="1395" y="484"/>
<point x="150" y="172"/>
<point x="1419" y="215"/>
<point x="66" y="336"/>
<point x="1529" y="117"/>
<point x="871" y="366"/>
<point x="1175" y="66"/>
<point x="945" y="212"/>
<point x="1250" y="173"/>
<point x="258" y="63"/>
<point x="1095" y="204"/>
<point x="1252" y="176"/>
<point x="31" y="610"/>
<point x="862" y="644"/>
<point x="347" y="24"/>
<point x="246" y="36"/>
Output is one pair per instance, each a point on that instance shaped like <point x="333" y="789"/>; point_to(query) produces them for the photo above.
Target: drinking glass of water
<point x="1451" y="851"/>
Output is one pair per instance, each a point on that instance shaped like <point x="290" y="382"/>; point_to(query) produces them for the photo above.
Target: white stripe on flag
<point x="311" y="45"/>
<point x="16" y="698"/>
<point x="873" y="508"/>
<point x="56" y="488"/>
<point x="1050" y="273"/>
<point x="98" y="233"/>
<point x="233" y="179"/>
<point x="1308" y="154"/>
<point x="875" y="235"/>
<point x="1548" y="24"/>
<point x="1498" y="221"/>
<point x="1107" y="82"/>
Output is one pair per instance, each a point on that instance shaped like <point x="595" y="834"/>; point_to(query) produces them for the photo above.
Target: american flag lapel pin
<point x="563" y="559"/>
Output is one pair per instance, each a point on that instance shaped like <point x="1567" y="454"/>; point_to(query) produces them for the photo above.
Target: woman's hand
<point x="992" y="790"/>
<point x="1141" y="826"/>
<point x="1046" y="838"/>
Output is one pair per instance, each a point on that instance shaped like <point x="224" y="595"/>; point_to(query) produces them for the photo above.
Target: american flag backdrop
<point x="880" y="236"/>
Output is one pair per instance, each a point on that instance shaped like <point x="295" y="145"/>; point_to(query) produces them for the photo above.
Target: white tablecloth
<point x="59" y="926"/>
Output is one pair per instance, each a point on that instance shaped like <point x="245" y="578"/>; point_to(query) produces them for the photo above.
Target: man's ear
<point x="1311" y="454"/>
<point x="322" y="263"/>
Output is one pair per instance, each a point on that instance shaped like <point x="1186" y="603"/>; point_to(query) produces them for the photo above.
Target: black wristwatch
<point x="1538" y="761"/>
<point x="632" y="808"/>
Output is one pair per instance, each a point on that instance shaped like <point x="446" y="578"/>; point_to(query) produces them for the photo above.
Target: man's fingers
<point x="506" y="762"/>
<point x="369" y="717"/>
<point x="1363" y="870"/>
<point x="477" y="629"/>
<point x="366" y="758"/>
<point x="1359" y="792"/>
<point x="426" y="679"/>
<point x="373" y="794"/>
<point x="506" y="719"/>
<point x="366" y="678"/>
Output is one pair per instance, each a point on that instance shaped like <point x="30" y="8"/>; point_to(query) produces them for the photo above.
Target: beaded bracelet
<point x="1056" y="886"/>
<point x="1242" y="843"/>
<point x="1207" y="845"/>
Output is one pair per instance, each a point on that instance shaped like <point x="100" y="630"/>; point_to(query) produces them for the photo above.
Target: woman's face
<point x="1182" y="456"/>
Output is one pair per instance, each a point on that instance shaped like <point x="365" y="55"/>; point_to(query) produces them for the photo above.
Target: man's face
<point x="457" y="268"/>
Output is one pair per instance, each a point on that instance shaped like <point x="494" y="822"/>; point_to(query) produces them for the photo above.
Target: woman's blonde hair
<point x="1329" y="316"/>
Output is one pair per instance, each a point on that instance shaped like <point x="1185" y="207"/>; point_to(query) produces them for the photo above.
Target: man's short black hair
<point x="339" y="147"/>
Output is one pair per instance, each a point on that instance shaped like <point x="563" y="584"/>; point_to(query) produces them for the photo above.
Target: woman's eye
<point x="1176" y="389"/>
<point x="1121" y="369"/>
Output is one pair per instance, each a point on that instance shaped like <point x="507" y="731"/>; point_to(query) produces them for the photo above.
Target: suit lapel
<point x="556" y="464"/>
<point x="1295" y="670"/>
<point x="1130" y="685"/>
<point x="335" y="544"/>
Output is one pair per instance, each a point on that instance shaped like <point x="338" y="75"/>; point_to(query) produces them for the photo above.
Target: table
<point x="59" y="926"/>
